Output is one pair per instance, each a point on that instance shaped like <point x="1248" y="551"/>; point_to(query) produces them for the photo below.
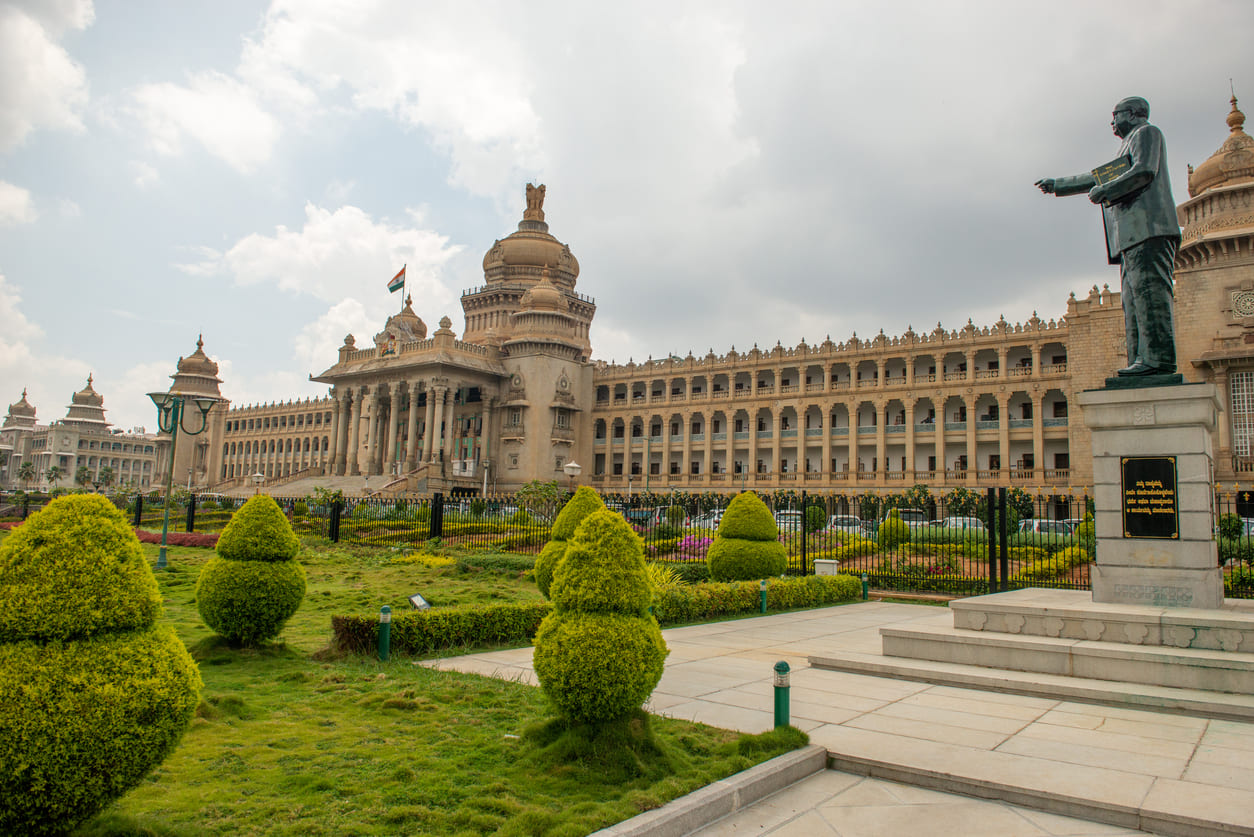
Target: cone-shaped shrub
<point x="249" y="591"/>
<point x="584" y="502"/>
<point x="599" y="654"/>
<point x="93" y="694"/>
<point x="893" y="531"/>
<point x="746" y="545"/>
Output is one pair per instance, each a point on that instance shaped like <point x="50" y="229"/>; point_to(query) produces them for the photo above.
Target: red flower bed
<point x="209" y="539"/>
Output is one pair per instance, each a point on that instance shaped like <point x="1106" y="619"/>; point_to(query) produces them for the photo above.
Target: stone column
<point x="685" y="462"/>
<point x="1003" y="431"/>
<point x="331" y="455"/>
<point x="383" y="439"/>
<point x="485" y="433"/>
<point x="411" y="443"/>
<point x="1036" y="359"/>
<point x="450" y="433"/>
<point x="828" y="424"/>
<point x="372" y="432"/>
<point x="970" y="356"/>
<point x="941" y="466"/>
<point x="427" y="451"/>
<point x="354" y="433"/>
<point x="434" y="435"/>
<point x="708" y="465"/>
<point x="1002" y="371"/>
<point x="751" y="466"/>
<point x="881" y="449"/>
<point x="909" y="440"/>
<point x="777" y="442"/>
<point x="1038" y="435"/>
<point x="973" y="465"/>
<point x="341" y="439"/>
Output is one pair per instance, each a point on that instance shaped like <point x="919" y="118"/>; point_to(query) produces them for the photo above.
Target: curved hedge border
<point x="425" y="631"/>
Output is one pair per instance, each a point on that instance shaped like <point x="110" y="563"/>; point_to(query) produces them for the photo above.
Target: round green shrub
<point x="93" y="694"/>
<point x="1230" y="526"/>
<point x="736" y="559"/>
<point x="85" y="720"/>
<point x="893" y="531"/>
<point x="675" y="516"/>
<point x="300" y="508"/>
<point x="546" y="561"/>
<point x="603" y="568"/>
<point x="259" y="531"/>
<point x="597" y="667"/>
<point x="816" y="518"/>
<point x="748" y="517"/>
<point x="74" y="569"/>
<point x="249" y="601"/>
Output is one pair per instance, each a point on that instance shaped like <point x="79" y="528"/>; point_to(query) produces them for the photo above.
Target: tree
<point x="107" y="476"/>
<point x="540" y="497"/>
<point x="26" y="473"/>
<point x="53" y="475"/>
<point x="82" y="477"/>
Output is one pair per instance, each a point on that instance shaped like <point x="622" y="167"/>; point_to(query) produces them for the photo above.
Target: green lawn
<point x="294" y="739"/>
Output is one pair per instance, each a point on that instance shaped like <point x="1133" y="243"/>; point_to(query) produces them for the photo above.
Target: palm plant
<point x="26" y="473"/>
<point x="53" y="474"/>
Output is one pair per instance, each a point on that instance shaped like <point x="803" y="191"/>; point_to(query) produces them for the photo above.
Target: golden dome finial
<point x="1236" y="119"/>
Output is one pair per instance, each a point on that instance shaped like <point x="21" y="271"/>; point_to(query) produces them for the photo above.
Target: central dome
<point x="531" y="248"/>
<point x="1234" y="161"/>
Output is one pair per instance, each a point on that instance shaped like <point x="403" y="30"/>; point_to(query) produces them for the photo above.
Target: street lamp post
<point x="572" y="470"/>
<point x="258" y="478"/>
<point x="171" y="411"/>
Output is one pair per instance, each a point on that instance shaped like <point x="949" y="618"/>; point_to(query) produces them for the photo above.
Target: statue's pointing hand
<point x="1046" y="185"/>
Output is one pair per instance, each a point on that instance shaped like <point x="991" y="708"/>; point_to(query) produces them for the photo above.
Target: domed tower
<point x="21" y="415"/>
<point x="86" y="410"/>
<point x="1215" y="291"/>
<point x="15" y="433"/>
<point x="516" y="264"/>
<point x="528" y="308"/>
<point x="198" y="459"/>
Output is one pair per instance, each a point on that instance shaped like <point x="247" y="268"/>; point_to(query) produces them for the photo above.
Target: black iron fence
<point x="964" y="543"/>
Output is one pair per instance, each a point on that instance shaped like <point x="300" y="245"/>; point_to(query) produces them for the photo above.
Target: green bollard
<point x="866" y="588"/>
<point x="781" y="693"/>
<point x="385" y="632"/>
<point x="762" y="595"/>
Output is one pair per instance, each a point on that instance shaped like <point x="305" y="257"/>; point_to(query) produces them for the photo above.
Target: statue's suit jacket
<point x="1140" y="205"/>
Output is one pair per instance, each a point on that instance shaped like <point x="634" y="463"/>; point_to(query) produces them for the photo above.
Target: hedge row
<point x="145" y="536"/>
<point x="424" y="631"/>
<point x="1049" y="567"/>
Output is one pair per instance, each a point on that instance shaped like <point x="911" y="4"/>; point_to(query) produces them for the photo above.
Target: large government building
<point x="518" y="396"/>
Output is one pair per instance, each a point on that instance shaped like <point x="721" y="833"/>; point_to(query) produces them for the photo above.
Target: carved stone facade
<point x="978" y="406"/>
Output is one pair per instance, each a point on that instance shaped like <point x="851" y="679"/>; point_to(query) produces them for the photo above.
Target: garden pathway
<point x="1166" y="773"/>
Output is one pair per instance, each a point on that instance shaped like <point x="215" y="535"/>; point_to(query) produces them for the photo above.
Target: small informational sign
<point x="419" y="602"/>
<point x="1150" y="500"/>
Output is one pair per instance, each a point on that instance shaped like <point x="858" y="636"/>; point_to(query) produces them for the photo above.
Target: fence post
<point x="333" y="525"/>
<point x="139" y="509"/>
<point x="805" y="557"/>
<point x="990" y="509"/>
<point x="1003" y="537"/>
<point x="437" y="515"/>
<point x="191" y="512"/>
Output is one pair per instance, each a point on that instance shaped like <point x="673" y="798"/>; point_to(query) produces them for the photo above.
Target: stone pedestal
<point x="1154" y="423"/>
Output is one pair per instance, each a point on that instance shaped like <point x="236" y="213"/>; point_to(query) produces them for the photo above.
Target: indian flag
<point x="398" y="281"/>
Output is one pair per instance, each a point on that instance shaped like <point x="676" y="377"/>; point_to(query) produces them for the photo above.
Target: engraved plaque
<point x="1150" y="501"/>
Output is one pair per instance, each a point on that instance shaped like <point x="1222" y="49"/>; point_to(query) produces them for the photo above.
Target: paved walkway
<point x="1153" y="771"/>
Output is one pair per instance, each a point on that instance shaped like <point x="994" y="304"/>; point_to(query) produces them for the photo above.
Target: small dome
<point x="544" y="296"/>
<point x="198" y="363"/>
<point x="86" y="397"/>
<point x="22" y="408"/>
<point x="1234" y="161"/>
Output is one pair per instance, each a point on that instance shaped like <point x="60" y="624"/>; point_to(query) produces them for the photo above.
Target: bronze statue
<point x="1142" y="234"/>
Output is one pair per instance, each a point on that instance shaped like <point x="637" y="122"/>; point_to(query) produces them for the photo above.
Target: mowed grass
<point x="292" y="739"/>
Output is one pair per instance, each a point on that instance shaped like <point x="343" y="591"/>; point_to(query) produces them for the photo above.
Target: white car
<point x="789" y="521"/>
<point x="846" y="523"/>
<point x="708" y="520"/>
<point x="1045" y="527"/>
<point x="961" y="523"/>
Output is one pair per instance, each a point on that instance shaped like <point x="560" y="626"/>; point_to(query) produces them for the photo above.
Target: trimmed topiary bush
<point x="93" y="693"/>
<point x="599" y="654"/>
<point x="249" y="591"/>
<point x="746" y="546"/>
<point x="893" y="531"/>
<point x="584" y="502"/>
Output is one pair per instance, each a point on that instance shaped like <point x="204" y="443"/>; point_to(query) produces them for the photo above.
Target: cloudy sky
<point x="726" y="173"/>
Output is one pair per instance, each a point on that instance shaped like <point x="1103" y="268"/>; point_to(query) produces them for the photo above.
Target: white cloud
<point x="318" y="342"/>
<point x="16" y="206"/>
<point x="145" y="174"/>
<point x="40" y="85"/>
<point x="214" y="110"/>
<point x="25" y="364"/>
<point x="338" y="255"/>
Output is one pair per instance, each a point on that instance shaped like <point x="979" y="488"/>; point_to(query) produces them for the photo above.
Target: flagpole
<point x="404" y="279"/>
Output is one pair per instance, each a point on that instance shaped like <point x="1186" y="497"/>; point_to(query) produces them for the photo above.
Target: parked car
<point x="1046" y="527"/>
<point x="789" y="521"/>
<point x="960" y="523"/>
<point x="708" y="521"/>
<point x="914" y="518"/>
<point x="846" y="523"/>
